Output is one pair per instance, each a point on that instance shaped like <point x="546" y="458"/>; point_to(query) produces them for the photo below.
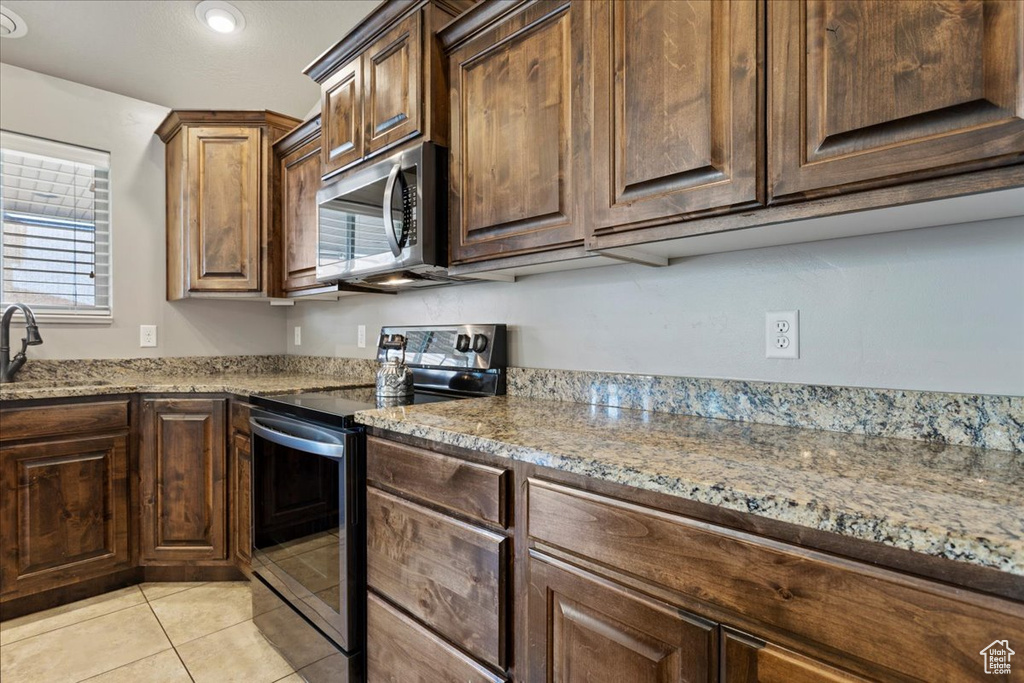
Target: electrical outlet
<point x="298" y="335"/>
<point x="147" y="335"/>
<point x="782" y="334"/>
<point x="361" y="336"/>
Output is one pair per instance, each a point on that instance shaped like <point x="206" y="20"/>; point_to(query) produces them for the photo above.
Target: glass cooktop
<point x="337" y="406"/>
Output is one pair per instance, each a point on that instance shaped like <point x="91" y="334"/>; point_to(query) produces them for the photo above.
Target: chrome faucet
<point x="8" y="366"/>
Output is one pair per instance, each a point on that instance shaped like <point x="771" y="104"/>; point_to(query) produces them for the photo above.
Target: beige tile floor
<point x="156" y="632"/>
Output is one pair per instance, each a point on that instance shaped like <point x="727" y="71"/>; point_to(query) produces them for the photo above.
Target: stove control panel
<point x="476" y="347"/>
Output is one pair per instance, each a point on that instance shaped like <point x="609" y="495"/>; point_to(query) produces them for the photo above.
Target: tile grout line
<point x="167" y="635"/>
<point x="60" y="628"/>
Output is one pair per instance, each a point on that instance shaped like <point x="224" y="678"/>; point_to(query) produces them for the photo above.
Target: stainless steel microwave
<point x="386" y="219"/>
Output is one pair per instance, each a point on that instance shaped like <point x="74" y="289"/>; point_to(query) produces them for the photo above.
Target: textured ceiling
<point x="156" y="50"/>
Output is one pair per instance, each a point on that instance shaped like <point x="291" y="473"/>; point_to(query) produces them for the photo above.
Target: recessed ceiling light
<point x="11" y="25"/>
<point x="220" y="16"/>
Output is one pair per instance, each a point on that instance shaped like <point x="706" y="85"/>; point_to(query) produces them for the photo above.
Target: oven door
<point x="308" y="533"/>
<point x="380" y="219"/>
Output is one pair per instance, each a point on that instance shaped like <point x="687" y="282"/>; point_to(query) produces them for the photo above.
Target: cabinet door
<point x="241" y="499"/>
<point x="869" y="93"/>
<point x="224" y="209"/>
<point x="300" y="180"/>
<point x="749" y="660"/>
<point x="341" y="115"/>
<point x="392" y="73"/>
<point x="584" y="628"/>
<point x="182" y="467"/>
<point x="63" y="512"/>
<point x="512" y="175"/>
<point x="675" y="108"/>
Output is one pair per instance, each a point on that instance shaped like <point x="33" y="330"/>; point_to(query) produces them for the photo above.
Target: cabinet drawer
<point x="240" y="416"/>
<point x="449" y="574"/>
<point x="78" y="418"/>
<point x="468" y="488"/>
<point x="399" y="649"/>
<point x="907" y="625"/>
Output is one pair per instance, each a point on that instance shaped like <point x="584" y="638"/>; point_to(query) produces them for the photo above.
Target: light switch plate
<point x="298" y="335"/>
<point x="361" y="336"/>
<point x="147" y="335"/>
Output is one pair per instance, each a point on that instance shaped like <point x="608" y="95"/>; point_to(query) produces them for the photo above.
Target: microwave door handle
<point x="389" y="218"/>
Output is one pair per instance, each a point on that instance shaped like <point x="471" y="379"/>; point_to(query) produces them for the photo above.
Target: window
<point x="55" y="244"/>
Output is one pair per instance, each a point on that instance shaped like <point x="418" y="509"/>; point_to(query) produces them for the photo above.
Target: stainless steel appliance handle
<point x="394" y="239"/>
<point x="300" y="436"/>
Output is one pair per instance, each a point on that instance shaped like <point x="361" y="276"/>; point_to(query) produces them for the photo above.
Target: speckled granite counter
<point x="956" y="502"/>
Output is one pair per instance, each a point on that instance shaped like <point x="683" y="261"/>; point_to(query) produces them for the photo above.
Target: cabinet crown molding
<point x="303" y="133"/>
<point x="205" y="117"/>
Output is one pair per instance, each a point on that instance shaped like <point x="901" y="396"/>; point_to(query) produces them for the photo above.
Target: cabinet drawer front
<point x="63" y="512"/>
<point x="851" y="607"/>
<point x="449" y="574"/>
<point x="399" y="649"/>
<point x="79" y="418"/>
<point x="240" y="416"/>
<point x="469" y="488"/>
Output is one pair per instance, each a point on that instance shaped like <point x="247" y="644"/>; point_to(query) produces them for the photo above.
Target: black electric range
<point x="337" y="406"/>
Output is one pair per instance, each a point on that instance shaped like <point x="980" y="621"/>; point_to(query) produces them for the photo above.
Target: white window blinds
<point x="55" y="245"/>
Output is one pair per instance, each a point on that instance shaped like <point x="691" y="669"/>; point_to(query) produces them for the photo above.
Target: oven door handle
<point x="395" y="240"/>
<point x="302" y="437"/>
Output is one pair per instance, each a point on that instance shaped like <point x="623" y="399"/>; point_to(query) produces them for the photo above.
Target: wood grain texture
<point x="513" y="114"/>
<point x="588" y="630"/>
<point x="880" y="92"/>
<point x="399" y="650"/>
<point x="63" y="512"/>
<point x="393" y="79"/>
<point x="675" y="88"/>
<point x="464" y="487"/>
<point x="842" y="605"/>
<point x="446" y="573"/>
<point x="241" y="500"/>
<point x="224" y="213"/>
<point x="36" y="422"/>
<point x="341" y="117"/>
<point x="748" y="660"/>
<point x="299" y="179"/>
<point x="183" y="481"/>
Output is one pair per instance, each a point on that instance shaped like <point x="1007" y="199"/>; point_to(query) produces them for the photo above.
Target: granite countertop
<point x="958" y="502"/>
<point x="243" y="384"/>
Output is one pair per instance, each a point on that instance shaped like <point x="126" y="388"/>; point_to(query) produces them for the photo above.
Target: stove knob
<point x="462" y="343"/>
<point x="479" y="343"/>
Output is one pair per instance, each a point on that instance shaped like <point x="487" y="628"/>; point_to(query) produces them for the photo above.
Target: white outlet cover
<point x="147" y="336"/>
<point x="298" y="335"/>
<point x="361" y="336"/>
<point x="782" y="344"/>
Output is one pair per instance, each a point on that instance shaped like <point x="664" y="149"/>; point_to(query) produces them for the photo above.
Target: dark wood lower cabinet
<point x="586" y="629"/>
<point x="746" y="659"/>
<point x="183" y="477"/>
<point x="63" y="512"/>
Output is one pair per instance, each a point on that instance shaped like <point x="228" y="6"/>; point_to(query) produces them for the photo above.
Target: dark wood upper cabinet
<point x="342" y="116"/>
<point x="585" y="628"/>
<point x="675" y="95"/>
<point x="221" y="191"/>
<point x="874" y="93"/>
<point x="384" y="83"/>
<point x="514" y="112"/>
<point x="392" y="73"/>
<point x="183" y="477"/>
<point x="298" y="159"/>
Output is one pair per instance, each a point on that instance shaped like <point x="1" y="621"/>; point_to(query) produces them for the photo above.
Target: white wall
<point x="36" y="104"/>
<point x="934" y="309"/>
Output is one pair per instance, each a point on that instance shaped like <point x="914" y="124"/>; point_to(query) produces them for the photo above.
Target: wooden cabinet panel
<point x="512" y="179"/>
<point x="342" y="118"/>
<point x="392" y="72"/>
<point x="63" y="512"/>
<point x="34" y="422"/>
<point x="300" y="180"/>
<point x="241" y="499"/>
<point x="850" y="607"/>
<point x="183" y="464"/>
<point x="469" y="488"/>
<point x="749" y="660"/>
<point x="398" y="649"/>
<point x="675" y="108"/>
<point x="224" y="209"/>
<point x="449" y="574"/>
<point x="868" y="93"/>
<point x="590" y="630"/>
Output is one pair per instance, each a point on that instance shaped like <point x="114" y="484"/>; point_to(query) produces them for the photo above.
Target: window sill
<point x="72" y="319"/>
